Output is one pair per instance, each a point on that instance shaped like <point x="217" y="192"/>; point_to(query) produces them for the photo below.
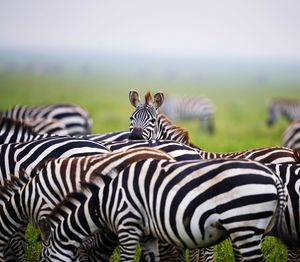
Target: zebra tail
<point x="281" y="229"/>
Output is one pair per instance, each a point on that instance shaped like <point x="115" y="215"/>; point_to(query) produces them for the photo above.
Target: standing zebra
<point x="291" y="136"/>
<point x="196" y="107"/>
<point x="188" y="204"/>
<point x="75" y="118"/>
<point x="290" y="109"/>
<point x="59" y="177"/>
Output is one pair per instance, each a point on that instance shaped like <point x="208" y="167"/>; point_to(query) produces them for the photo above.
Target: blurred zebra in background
<point x="184" y="108"/>
<point x="287" y="108"/>
<point x="291" y="136"/>
<point x="75" y="119"/>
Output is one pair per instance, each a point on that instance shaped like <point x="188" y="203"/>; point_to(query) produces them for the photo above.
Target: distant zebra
<point x="188" y="204"/>
<point x="291" y="136"/>
<point x="196" y="107"/>
<point x="59" y="177"/>
<point x="146" y="122"/>
<point x="288" y="108"/>
<point x="75" y="118"/>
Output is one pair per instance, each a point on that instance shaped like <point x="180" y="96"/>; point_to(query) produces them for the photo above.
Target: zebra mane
<point x="179" y="130"/>
<point x="297" y="155"/>
<point x="10" y="186"/>
<point x="148" y="98"/>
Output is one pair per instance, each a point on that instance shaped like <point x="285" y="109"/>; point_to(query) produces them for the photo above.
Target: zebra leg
<point x="168" y="252"/>
<point x="98" y="247"/>
<point x="247" y="247"/>
<point x="293" y="255"/>
<point x="15" y="250"/>
<point x="150" y="250"/>
<point x="206" y="254"/>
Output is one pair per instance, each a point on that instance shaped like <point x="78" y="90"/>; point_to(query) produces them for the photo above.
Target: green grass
<point x="240" y="118"/>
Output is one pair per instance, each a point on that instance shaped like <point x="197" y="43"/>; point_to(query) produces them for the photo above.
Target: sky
<point x="227" y="28"/>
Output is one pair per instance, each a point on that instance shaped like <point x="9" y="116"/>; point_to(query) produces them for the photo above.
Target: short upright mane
<point x="148" y="98"/>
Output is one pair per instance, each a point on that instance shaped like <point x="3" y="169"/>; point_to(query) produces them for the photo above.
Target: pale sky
<point x="227" y="28"/>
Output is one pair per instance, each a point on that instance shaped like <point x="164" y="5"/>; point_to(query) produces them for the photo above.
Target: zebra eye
<point x="153" y="120"/>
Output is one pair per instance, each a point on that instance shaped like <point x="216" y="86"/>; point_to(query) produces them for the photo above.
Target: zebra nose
<point x="136" y="134"/>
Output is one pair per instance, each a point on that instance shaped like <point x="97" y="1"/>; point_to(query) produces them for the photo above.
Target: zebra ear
<point x="45" y="229"/>
<point x="158" y="99"/>
<point x="134" y="98"/>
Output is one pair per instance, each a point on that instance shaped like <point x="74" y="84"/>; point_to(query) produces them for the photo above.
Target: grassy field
<point x="240" y="119"/>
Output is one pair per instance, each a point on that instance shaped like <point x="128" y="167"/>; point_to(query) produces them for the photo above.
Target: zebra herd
<point x="89" y="193"/>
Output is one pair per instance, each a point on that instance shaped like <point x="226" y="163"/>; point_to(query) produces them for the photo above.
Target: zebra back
<point x="175" y="149"/>
<point x="271" y="155"/>
<point x="75" y="118"/>
<point x="27" y="156"/>
<point x="13" y="131"/>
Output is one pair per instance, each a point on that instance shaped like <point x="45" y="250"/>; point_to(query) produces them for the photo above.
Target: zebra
<point x="75" y="118"/>
<point x="13" y="131"/>
<point x="175" y="149"/>
<point x="35" y="198"/>
<point x="186" y="203"/>
<point x="291" y="136"/>
<point x="186" y="107"/>
<point x="147" y="122"/>
<point x="47" y="126"/>
<point x="288" y="108"/>
<point x="270" y="155"/>
<point x="26" y="156"/>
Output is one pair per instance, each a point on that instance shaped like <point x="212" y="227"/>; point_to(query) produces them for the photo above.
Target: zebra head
<point x="274" y="112"/>
<point x="143" y="121"/>
<point x="51" y="252"/>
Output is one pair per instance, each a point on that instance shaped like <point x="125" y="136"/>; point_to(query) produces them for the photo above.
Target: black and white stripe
<point x="269" y="155"/>
<point x="175" y="149"/>
<point x="27" y="156"/>
<point x="287" y="108"/>
<point x="188" y="204"/>
<point x="185" y="108"/>
<point x="75" y="119"/>
<point x="291" y="136"/>
<point x="59" y="177"/>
